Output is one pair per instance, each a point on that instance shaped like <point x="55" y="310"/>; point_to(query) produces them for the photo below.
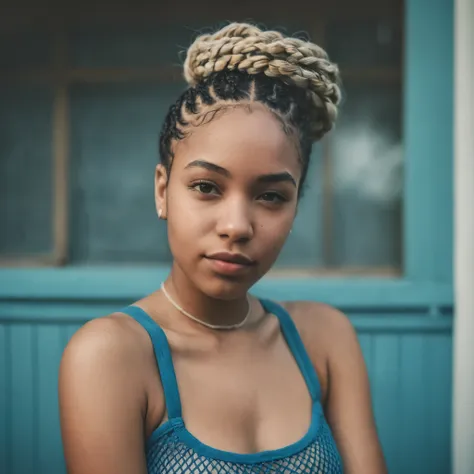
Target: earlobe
<point x="161" y="180"/>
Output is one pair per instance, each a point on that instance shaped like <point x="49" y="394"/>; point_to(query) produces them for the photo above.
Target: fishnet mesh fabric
<point x="169" y="455"/>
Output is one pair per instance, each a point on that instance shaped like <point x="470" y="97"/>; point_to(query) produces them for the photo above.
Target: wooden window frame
<point x="62" y="77"/>
<point x="427" y="214"/>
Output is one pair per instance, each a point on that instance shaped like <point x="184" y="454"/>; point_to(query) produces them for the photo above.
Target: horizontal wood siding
<point x="408" y="356"/>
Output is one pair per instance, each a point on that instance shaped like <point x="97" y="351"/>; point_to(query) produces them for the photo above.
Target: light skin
<point x="231" y="188"/>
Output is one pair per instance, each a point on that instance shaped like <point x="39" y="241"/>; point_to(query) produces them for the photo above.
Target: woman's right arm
<point x="102" y="401"/>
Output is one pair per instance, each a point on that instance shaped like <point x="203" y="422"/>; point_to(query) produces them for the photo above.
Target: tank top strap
<point x="293" y="339"/>
<point x="163" y="358"/>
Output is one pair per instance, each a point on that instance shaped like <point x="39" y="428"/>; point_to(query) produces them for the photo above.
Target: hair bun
<point x="245" y="47"/>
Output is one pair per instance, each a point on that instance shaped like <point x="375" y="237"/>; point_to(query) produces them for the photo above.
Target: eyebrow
<point x="208" y="166"/>
<point x="277" y="178"/>
<point x="265" y="178"/>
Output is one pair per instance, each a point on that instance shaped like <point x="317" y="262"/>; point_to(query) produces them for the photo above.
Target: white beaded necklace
<point x="208" y="325"/>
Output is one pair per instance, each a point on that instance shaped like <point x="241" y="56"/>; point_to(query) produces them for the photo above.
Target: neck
<point x="207" y="308"/>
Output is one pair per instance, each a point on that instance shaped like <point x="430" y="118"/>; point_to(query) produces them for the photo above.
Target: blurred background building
<point x="84" y="89"/>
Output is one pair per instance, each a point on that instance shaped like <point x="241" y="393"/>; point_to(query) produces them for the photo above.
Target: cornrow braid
<point x="241" y="64"/>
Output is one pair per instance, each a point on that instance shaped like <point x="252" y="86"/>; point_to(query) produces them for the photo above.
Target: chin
<point x="226" y="289"/>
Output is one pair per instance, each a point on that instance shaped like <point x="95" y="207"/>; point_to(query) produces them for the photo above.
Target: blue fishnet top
<point x="172" y="449"/>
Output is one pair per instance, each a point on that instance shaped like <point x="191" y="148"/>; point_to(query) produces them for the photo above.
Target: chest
<point x="244" y="397"/>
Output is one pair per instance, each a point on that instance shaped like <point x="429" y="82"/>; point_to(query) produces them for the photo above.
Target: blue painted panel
<point x="23" y="399"/>
<point x="428" y="119"/>
<point x="410" y="374"/>
<point x="72" y="315"/>
<point x="102" y="283"/>
<point x="5" y="386"/>
<point x="386" y="383"/>
<point x="50" y="346"/>
<point x="438" y="397"/>
<point x="68" y="330"/>
<point x="366" y="342"/>
<point x="412" y="411"/>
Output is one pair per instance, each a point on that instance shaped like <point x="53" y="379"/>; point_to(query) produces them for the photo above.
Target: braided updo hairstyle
<point x="241" y="64"/>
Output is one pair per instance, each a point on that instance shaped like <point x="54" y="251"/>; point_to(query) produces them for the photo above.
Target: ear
<point x="161" y="181"/>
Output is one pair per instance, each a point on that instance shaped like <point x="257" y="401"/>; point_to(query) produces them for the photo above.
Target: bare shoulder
<point x="320" y="321"/>
<point x="328" y="336"/>
<point x="105" y="340"/>
<point x="327" y="330"/>
<point x="107" y="350"/>
<point x="103" y="398"/>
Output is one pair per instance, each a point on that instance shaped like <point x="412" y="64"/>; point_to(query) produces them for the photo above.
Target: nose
<point x="235" y="222"/>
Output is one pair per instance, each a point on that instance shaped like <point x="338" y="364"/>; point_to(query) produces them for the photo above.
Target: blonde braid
<point x="244" y="47"/>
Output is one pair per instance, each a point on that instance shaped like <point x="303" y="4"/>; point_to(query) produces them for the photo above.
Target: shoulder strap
<point x="163" y="359"/>
<point x="293" y="339"/>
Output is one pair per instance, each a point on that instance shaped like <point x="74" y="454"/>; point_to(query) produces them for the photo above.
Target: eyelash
<point x="195" y="187"/>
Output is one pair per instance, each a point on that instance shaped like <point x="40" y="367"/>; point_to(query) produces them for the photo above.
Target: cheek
<point x="186" y="224"/>
<point x="182" y="235"/>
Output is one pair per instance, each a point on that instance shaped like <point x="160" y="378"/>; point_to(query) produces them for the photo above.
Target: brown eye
<point x="273" y="198"/>
<point x="203" y="187"/>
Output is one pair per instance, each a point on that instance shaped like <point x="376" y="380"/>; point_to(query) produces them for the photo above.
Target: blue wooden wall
<point x="408" y="354"/>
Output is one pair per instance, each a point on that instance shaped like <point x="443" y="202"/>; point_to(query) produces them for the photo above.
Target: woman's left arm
<point x="348" y="402"/>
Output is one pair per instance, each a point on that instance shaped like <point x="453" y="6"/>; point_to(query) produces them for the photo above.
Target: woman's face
<point x="230" y="201"/>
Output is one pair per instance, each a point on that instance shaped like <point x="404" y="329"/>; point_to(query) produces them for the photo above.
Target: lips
<point x="230" y="264"/>
<point x="236" y="258"/>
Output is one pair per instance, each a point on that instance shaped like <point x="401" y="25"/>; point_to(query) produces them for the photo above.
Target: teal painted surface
<point x="128" y="283"/>
<point x="5" y="422"/>
<point x="409" y="368"/>
<point x="23" y="397"/>
<point x="50" y="344"/>
<point x="428" y="139"/>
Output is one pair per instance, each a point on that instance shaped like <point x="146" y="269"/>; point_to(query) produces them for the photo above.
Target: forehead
<point x="241" y="138"/>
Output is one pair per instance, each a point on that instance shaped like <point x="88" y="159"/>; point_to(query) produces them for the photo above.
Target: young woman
<point x="201" y="377"/>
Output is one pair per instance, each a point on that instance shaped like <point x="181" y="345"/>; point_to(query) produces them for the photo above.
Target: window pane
<point x="350" y="214"/>
<point x="25" y="50"/>
<point x="372" y="42"/>
<point x="143" y="47"/>
<point x="367" y="161"/>
<point x="304" y="246"/>
<point x="26" y="190"/>
<point x="114" y="153"/>
<point x="146" y="46"/>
